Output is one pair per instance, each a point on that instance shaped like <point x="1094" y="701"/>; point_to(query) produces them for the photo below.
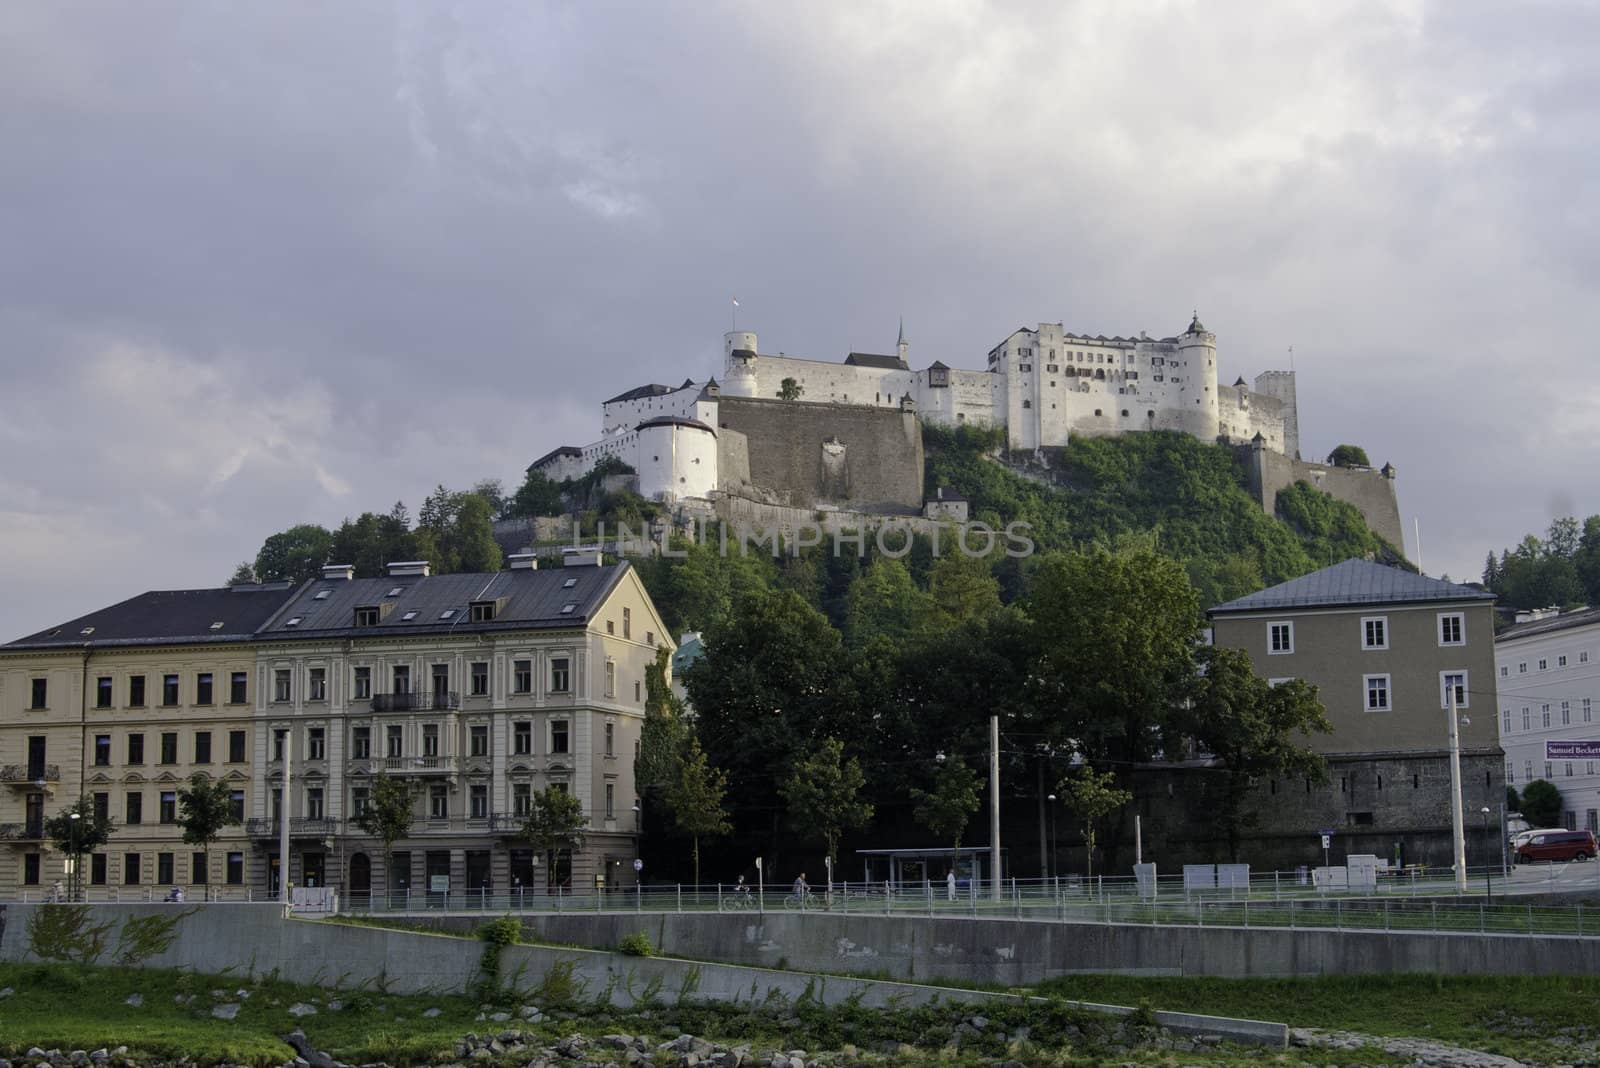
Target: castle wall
<point x="1241" y="415"/>
<point x="834" y="383"/>
<point x="625" y="415"/>
<point x="793" y="455"/>
<point x="676" y="461"/>
<point x="1371" y="492"/>
<point x="1280" y="385"/>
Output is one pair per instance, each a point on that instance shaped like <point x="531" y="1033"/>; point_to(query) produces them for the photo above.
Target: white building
<point x="1043" y="385"/>
<point x="1547" y="668"/>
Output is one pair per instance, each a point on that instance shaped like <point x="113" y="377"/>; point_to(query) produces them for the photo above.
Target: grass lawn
<point x="1517" y="1016"/>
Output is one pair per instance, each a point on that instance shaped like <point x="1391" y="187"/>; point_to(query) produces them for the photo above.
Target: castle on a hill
<point x="809" y="433"/>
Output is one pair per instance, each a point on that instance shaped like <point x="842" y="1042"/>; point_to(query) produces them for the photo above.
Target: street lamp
<point x="72" y="877"/>
<point x="1052" y="800"/>
<point x="1458" y="835"/>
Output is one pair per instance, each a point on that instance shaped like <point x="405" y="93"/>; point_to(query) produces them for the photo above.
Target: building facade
<point x="1384" y="647"/>
<point x="120" y="708"/>
<point x="477" y="689"/>
<point x="1547" y="670"/>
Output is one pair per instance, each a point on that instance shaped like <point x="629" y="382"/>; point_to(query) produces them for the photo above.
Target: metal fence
<point x="1412" y="900"/>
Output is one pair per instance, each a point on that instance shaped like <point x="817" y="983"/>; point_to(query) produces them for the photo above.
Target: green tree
<point x="962" y="588"/>
<point x="1254" y="729"/>
<point x="389" y="814"/>
<point x="536" y="496"/>
<point x="74" y="837"/>
<point x="1586" y="559"/>
<point x="243" y="575"/>
<point x="1349" y="456"/>
<point x="1513" y="802"/>
<point x="1115" y="634"/>
<point x="1541" y="804"/>
<point x="790" y="390"/>
<point x="205" y="807"/>
<point x="475" y="547"/>
<point x="696" y="800"/>
<point x="885" y="602"/>
<point x="946" y="809"/>
<point x="493" y="493"/>
<point x="1092" y="796"/>
<point x="555" y="822"/>
<point x="823" y="797"/>
<point x="296" y="554"/>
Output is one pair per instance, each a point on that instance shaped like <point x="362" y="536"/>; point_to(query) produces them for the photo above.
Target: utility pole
<point x="994" y="805"/>
<point x="283" y="818"/>
<point x="1458" y="839"/>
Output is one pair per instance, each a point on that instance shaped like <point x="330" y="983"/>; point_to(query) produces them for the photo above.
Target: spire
<point x="901" y="340"/>
<point x="900" y="346"/>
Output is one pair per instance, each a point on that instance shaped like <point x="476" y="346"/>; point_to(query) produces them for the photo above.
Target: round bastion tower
<point x="1197" y="393"/>
<point x="739" y="363"/>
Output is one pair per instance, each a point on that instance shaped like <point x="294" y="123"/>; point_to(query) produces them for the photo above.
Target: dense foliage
<point x="1560" y="571"/>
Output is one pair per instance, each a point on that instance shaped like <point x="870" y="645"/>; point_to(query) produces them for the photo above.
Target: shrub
<point x="636" y="945"/>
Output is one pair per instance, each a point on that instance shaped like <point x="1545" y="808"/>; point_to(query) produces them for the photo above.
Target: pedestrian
<point x="950" y="885"/>
<point x="57" y="892"/>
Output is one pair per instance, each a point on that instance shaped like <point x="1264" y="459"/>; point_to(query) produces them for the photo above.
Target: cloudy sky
<point x="273" y="263"/>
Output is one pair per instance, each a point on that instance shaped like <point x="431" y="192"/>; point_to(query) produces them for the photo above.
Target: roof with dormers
<point x="229" y="614"/>
<point x="1353" y="582"/>
<point x="653" y="389"/>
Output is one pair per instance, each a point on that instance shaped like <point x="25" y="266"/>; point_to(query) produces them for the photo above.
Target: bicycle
<point x="739" y="899"/>
<point x="805" y="900"/>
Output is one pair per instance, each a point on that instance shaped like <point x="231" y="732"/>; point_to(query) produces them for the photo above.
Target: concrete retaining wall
<point x="1022" y="952"/>
<point x="250" y="939"/>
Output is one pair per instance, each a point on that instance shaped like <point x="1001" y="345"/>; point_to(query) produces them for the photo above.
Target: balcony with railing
<point x="425" y="701"/>
<point x="30" y="774"/>
<point x="31" y="831"/>
<point x="299" y="827"/>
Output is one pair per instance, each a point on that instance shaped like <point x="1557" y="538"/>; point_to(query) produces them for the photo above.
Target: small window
<point x="41" y="691"/>
<point x="409" y="616"/>
<point x="448" y="613"/>
<point x="480" y="679"/>
<point x="292" y="621"/>
<point x="367" y="616"/>
<point x="397" y="591"/>
<point x="560" y="674"/>
<point x="1375" y="632"/>
<point x="522" y="676"/>
<point x="483" y="611"/>
<point x="1280" y="638"/>
<point x="558" y="736"/>
<point x="568" y="608"/>
<point x="1561" y="661"/>
<point x="571" y="582"/>
<point x="217" y="625"/>
<point x="1377" y="687"/>
<point x="1452" y="629"/>
<point x="322" y="595"/>
<point x="1544" y="665"/>
<point x="1454" y="681"/>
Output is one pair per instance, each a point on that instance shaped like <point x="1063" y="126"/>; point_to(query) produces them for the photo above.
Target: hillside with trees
<point x="1560" y="570"/>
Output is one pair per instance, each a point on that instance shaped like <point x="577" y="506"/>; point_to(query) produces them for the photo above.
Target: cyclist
<point x="800" y="887"/>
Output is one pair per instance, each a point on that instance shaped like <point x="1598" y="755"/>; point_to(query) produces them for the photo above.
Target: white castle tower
<point x="1197" y="393"/>
<point x="739" y="363"/>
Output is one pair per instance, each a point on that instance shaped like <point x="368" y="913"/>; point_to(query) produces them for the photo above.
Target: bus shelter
<point x="914" y="868"/>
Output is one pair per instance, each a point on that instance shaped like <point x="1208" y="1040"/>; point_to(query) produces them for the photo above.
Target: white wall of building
<point x="676" y="461"/>
<point x="1548" y="687"/>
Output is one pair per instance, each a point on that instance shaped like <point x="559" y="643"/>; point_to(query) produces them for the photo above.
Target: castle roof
<point x="654" y="389"/>
<point x="556" y="453"/>
<point x="676" y="420"/>
<point x="938" y="365"/>
<point x="873" y="359"/>
<point x="1353" y="582"/>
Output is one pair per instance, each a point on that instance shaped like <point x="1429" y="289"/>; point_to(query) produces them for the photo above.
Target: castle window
<point x="1027" y="404"/>
<point x="1124" y="413"/>
<point x="1151" y="413"/>
<point x="1097" y="411"/>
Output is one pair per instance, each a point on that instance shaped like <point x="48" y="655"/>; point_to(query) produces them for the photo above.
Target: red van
<point x="1557" y="845"/>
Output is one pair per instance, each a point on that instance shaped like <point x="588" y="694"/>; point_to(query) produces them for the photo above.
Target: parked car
<point x="1520" y="838"/>
<point x="1557" y="845"/>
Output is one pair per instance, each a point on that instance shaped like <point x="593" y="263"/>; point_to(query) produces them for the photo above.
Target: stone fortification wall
<point x="1241" y="415"/>
<point x="807" y="455"/>
<point x="1371" y="492"/>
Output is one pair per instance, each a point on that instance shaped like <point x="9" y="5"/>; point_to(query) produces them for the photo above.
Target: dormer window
<point x="367" y="616"/>
<point x="484" y="611"/>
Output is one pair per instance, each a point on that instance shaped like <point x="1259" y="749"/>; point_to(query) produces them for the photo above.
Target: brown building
<point x="1382" y="645"/>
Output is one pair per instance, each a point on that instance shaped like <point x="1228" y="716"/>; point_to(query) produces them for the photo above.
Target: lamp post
<point x="1484" y="812"/>
<point x="1458" y="837"/>
<point x="72" y="877"/>
<point x="1052" y="800"/>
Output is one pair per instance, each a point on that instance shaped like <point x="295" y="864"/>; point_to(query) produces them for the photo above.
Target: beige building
<point x="120" y="707"/>
<point x="482" y="689"/>
<point x="1384" y="647"/>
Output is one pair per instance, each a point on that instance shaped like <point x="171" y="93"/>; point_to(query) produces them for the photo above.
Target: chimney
<point x="339" y="572"/>
<point x="523" y="561"/>
<point x="408" y="568"/>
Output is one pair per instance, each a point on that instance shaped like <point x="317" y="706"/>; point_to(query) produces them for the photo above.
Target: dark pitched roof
<point x="439" y="604"/>
<point x="161" y="616"/>
<point x="873" y="359"/>
<point x="938" y="365"/>
<point x="676" y="420"/>
<point x="1353" y="582"/>
<point x="1583" y="617"/>
<point x="654" y="389"/>
<point x="564" y="450"/>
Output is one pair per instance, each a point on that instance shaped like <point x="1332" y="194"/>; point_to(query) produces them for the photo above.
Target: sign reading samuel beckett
<point x="1571" y="750"/>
